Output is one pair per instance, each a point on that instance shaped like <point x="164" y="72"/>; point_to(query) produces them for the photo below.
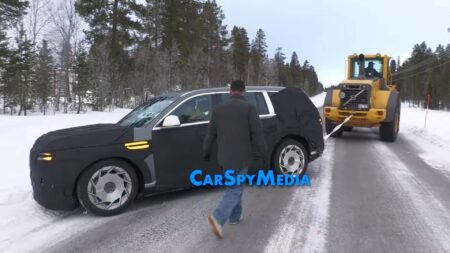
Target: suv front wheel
<point x="108" y="187"/>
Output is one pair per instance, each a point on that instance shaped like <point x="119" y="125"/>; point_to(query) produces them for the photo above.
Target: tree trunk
<point x="44" y="102"/>
<point x="79" y="103"/>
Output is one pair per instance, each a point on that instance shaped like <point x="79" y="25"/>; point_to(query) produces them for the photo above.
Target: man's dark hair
<point x="237" y="85"/>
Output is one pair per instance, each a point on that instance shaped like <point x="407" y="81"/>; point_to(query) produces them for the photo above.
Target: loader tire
<point x="389" y="130"/>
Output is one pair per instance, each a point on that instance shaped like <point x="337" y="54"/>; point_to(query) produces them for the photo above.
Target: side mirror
<point x="171" y="121"/>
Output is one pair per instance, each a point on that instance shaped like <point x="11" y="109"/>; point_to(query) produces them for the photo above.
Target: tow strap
<point x="336" y="128"/>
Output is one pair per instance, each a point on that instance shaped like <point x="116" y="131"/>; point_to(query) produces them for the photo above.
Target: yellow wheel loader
<point x="367" y="98"/>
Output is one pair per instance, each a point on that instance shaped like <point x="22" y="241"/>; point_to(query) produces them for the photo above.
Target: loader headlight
<point x="342" y="95"/>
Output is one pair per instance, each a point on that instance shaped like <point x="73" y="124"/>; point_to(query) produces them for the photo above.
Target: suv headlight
<point x="45" y="157"/>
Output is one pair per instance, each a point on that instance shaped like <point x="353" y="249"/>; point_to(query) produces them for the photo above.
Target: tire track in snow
<point x="304" y="223"/>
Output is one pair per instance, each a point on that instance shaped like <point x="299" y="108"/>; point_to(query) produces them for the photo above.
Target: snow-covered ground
<point x="433" y="140"/>
<point x="20" y="215"/>
<point x="318" y="99"/>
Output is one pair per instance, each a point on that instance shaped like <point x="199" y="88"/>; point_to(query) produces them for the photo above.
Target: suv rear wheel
<point x="108" y="187"/>
<point x="291" y="158"/>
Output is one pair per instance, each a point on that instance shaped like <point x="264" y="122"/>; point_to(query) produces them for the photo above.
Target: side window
<point x="254" y="98"/>
<point x="196" y="109"/>
<point x="257" y="100"/>
<point x="261" y="105"/>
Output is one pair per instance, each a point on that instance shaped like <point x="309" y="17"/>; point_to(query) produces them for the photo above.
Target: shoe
<point x="216" y="227"/>
<point x="236" y="222"/>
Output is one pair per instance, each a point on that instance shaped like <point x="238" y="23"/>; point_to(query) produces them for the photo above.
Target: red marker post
<point x="426" y="112"/>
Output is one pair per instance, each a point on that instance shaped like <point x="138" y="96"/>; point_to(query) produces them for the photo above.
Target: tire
<point x="347" y="129"/>
<point x="389" y="130"/>
<point x="290" y="157"/>
<point x="108" y="187"/>
<point x="329" y="126"/>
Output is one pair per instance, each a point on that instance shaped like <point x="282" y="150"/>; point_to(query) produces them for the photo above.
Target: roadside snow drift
<point x="433" y="139"/>
<point x="318" y="99"/>
<point x="20" y="215"/>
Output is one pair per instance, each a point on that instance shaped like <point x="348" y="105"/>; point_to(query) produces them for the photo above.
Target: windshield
<point x="146" y="112"/>
<point x="373" y="68"/>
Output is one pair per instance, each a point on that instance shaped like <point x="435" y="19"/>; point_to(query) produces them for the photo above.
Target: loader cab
<point x="368" y="68"/>
<point x="374" y="67"/>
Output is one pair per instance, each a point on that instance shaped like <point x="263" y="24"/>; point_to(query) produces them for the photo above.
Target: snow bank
<point x="434" y="140"/>
<point x="318" y="99"/>
<point x="20" y="215"/>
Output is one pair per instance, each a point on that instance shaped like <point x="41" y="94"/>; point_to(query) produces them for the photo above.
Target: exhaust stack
<point x="361" y="66"/>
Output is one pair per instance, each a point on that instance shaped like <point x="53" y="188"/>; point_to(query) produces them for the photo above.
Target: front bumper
<point x="52" y="185"/>
<point x="370" y="118"/>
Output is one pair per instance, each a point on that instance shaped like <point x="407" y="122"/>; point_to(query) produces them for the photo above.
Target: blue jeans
<point x="230" y="208"/>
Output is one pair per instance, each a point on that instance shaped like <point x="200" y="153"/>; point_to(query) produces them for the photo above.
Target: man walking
<point x="236" y="127"/>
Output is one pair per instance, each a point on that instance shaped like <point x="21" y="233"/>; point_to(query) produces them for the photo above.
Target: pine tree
<point x="213" y="43"/>
<point x="239" y="52"/>
<point x="83" y="76"/>
<point x="295" y="71"/>
<point x="426" y="72"/>
<point x="282" y="68"/>
<point x="19" y="72"/>
<point x="257" y="56"/>
<point x="414" y="86"/>
<point x="150" y="17"/>
<point x="112" y="29"/>
<point x="182" y="39"/>
<point x="11" y="12"/>
<point x="43" y="78"/>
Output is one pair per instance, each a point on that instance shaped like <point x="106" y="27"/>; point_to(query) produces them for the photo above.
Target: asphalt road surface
<point x="365" y="196"/>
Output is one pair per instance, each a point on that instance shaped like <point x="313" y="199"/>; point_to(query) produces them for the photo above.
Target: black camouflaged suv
<point x="154" y="148"/>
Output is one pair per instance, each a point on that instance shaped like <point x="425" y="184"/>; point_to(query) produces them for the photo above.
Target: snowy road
<point x="366" y="196"/>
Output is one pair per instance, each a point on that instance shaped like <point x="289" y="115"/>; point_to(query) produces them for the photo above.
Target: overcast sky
<point x="326" y="32"/>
